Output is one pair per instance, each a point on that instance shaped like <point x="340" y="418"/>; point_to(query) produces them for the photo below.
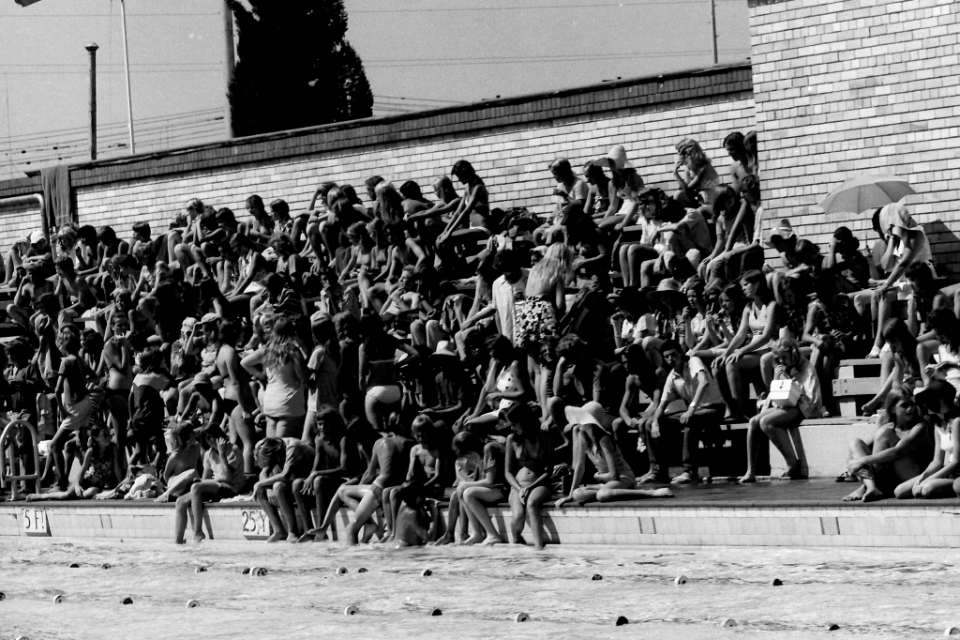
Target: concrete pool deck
<point x="774" y="513"/>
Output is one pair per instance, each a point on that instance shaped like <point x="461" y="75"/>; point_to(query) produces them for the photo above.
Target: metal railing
<point x="16" y="463"/>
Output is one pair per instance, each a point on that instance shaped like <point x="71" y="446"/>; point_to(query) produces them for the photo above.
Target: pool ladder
<point x="15" y="462"/>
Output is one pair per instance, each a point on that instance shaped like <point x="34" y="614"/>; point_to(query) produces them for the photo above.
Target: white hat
<point x="615" y="159"/>
<point x="36" y="237"/>
<point x="208" y="317"/>
<point x="443" y="349"/>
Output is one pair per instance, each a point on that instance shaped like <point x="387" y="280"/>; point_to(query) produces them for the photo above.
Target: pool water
<point x="878" y="593"/>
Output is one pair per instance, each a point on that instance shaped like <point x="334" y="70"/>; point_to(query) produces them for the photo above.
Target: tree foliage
<point x="295" y="67"/>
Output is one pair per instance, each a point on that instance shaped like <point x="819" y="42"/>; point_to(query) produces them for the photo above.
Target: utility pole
<point x="92" y="49"/>
<point x="229" y="62"/>
<point x="126" y="65"/>
<point x="713" y="25"/>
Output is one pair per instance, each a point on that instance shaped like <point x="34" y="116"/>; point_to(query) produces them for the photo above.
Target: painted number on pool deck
<point x="35" y="522"/>
<point x="255" y="524"/>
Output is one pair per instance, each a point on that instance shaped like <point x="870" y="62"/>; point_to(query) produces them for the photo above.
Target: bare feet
<point x="474" y="539"/>
<point x="748" y="478"/>
<point x="796" y="472"/>
<point x="519" y="540"/>
<point x="199" y="537"/>
<point x="491" y="540"/>
<point x="442" y="540"/>
<point x="163" y="497"/>
<point x="856" y="495"/>
<point x="661" y="493"/>
<point x="179" y="540"/>
<point x="315" y="535"/>
<point x="277" y="536"/>
<point x="652" y="478"/>
<point x="292" y="537"/>
<point x="872" y="495"/>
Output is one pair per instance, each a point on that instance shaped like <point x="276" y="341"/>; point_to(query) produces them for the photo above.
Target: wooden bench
<point x="855" y="382"/>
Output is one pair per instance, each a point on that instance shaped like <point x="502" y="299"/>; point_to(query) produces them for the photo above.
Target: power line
<point x="35" y="16"/>
<point x="62" y="143"/>
<point x="416" y="99"/>
<point x="150" y="119"/>
<point x="453" y="62"/>
<point x="111" y="71"/>
<point x="77" y="152"/>
<point x="101" y="65"/>
<point x="579" y="7"/>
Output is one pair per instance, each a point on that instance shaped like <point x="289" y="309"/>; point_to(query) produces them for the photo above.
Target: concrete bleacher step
<point x="826" y="443"/>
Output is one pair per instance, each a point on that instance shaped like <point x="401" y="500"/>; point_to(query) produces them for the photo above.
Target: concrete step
<point x="826" y="443"/>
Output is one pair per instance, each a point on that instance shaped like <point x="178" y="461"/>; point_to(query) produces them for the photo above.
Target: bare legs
<point x="475" y="501"/>
<point x="780" y="425"/>
<point x="528" y="509"/>
<point x="284" y="498"/>
<point x="737" y="372"/>
<point x="192" y="502"/>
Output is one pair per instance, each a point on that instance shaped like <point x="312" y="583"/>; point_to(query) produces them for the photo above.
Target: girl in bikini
<point x="890" y="461"/>
<point x="593" y="439"/>
<point x="528" y="470"/>
<point x="100" y="471"/>
<point x="507" y="383"/>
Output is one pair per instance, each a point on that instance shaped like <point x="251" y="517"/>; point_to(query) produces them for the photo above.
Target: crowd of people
<point x="388" y="355"/>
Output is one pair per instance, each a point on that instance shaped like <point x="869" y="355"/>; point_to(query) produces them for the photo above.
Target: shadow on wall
<point x="945" y="246"/>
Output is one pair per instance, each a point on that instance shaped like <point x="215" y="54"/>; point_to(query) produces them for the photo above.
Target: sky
<point x="418" y="54"/>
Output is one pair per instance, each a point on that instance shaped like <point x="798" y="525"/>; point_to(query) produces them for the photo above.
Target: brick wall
<point x="17" y="220"/>
<point x="510" y="142"/>
<point x="866" y="86"/>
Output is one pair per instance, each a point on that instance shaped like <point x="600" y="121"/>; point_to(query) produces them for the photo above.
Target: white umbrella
<point x="866" y="192"/>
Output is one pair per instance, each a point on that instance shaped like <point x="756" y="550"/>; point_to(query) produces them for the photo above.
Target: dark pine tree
<point x="295" y="68"/>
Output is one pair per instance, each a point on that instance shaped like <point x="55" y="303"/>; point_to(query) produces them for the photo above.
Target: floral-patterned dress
<point x="536" y="328"/>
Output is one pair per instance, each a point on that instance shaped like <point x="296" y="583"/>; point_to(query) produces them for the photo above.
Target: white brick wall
<point x="846" y="88"/>
<point x="16" y="222"/>
<point x="513" y="162"/>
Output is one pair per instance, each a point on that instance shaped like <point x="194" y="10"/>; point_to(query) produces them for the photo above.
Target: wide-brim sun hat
<point x="616" y="159"/>
<point x="669" y="290"/>
<point x="443" y="350"/>
<point x="784" y="233"/>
